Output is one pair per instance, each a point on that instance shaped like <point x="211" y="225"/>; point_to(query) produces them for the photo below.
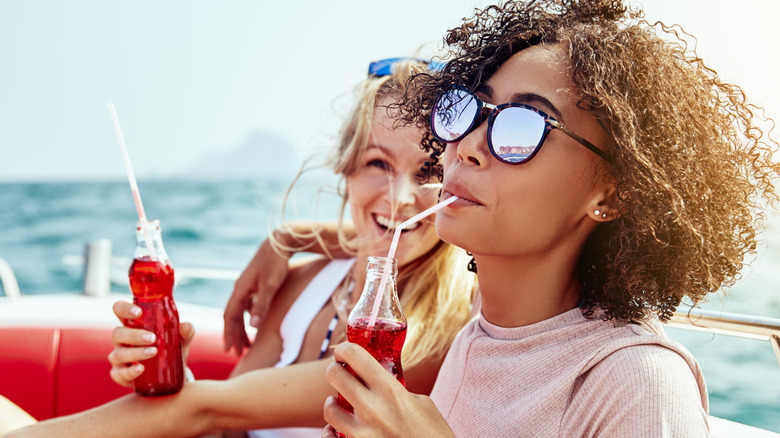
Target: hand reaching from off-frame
<point x="253" y="292"/>
<point x="132" y="345"/>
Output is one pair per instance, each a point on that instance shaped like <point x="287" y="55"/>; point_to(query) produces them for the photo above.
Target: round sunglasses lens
<point x="453" y="115"/>
<point x="516" y="134"/>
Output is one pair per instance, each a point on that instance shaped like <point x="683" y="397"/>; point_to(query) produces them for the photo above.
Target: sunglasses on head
<point x="516" y="131"/>
<point x="386" y="67"/>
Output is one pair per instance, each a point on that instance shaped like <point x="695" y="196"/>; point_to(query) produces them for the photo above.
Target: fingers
<point x="124" y="375"/>
<point x="349" y="385"/>
<point x="133" y="337"/>
<point x="328" y="432"/>
<point x="120" y="356"/>
<point x="187" y="332"/>
<point x="363" y="364"/>
<point x="124" y="366"/>
<point x="336" y="417"/>
<point x="126" y="311"/>
<point x="267" y="272"/>
<point x="235" y="336"/>
<point x="260" y="305"/>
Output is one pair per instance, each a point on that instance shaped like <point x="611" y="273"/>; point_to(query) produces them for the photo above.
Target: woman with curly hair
<point x="604" y="175"/>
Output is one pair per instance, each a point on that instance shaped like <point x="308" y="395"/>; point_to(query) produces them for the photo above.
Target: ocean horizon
<point x="218" y="224"/>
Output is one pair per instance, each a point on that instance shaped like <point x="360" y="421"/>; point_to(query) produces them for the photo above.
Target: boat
<point x="53" y="348"/>
<point x="53" y="351"/>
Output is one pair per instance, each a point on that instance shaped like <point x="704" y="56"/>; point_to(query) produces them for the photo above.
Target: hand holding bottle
<point x="132" y="345"/>
<point x="382" y="406"/>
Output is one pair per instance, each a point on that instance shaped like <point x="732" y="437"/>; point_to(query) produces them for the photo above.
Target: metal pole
<point x="97" y="271"/>
<point x="8" y="279"/>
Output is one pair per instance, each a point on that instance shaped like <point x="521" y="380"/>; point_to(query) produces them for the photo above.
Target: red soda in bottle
<point x="385" y="339"/>
<point x="151" y="281"/>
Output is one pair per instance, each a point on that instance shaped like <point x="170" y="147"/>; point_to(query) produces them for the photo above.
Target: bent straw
<point x="391" y="253"/>
<point x="139" y="206"/>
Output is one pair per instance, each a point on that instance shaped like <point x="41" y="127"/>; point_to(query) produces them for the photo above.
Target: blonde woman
<point x="281" y="380"/>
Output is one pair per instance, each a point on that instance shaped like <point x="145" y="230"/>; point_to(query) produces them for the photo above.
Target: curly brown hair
<point x="691" y="162"/>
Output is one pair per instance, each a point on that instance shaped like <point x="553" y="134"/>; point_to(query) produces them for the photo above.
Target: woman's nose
<point x="473" y="148"/>
<point x="404" y="190"/>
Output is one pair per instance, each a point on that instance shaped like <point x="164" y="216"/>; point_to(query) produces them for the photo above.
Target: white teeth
<point x="387" y="223"/>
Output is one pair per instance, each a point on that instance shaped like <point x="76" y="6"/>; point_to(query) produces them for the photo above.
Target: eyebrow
<point x="526" y="98"/>
<point x="388" y="151"/>
<point x="384" y="149"/>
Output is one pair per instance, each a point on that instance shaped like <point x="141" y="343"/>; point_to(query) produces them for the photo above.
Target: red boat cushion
<point x="54" y="371"/>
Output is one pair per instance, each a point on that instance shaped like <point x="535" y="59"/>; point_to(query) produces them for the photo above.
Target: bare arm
<point x="12" y="416"/>
<point x="271" y="397"/>
<point x="264" y="275"/>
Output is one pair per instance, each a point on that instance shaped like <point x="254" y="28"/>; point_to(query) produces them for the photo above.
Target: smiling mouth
<point x="386" y="224"/>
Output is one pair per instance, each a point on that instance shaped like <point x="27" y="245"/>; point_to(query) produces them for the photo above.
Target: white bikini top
<point x="300" y="316"/>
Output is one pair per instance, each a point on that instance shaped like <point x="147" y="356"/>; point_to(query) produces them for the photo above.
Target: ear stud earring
<point x="597" y="212"/>
<point x="603" y="215"/>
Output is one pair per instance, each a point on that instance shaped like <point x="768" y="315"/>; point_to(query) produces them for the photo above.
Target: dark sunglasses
<point x="386" y="67"/>
<point x="516" y="131"/>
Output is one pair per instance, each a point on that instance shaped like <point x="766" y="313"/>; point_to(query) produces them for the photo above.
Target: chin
<point x="454" y="235"/>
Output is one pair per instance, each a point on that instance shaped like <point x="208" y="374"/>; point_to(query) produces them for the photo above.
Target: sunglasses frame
<point x="493" y="111"/>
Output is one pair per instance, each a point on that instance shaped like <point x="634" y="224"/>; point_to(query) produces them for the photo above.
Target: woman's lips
<point x="465" y="198"/>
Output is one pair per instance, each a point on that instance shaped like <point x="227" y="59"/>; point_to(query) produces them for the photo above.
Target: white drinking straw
<point x="391" y="253"/>
<point x="139" y="206"/>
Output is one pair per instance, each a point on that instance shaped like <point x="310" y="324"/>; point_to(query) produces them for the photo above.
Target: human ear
<point x="605" y="204"/>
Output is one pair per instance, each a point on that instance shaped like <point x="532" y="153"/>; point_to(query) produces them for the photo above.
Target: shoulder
<point x="301" y="273"/>
<point x="308" y="265"/>
<point x="646" y="367"/>
<point x="647" y="389"/>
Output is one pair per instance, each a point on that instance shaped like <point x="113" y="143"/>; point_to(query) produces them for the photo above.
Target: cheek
<point x="358" y="191"/>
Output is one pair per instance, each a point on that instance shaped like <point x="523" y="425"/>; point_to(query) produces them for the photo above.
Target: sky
<point x="193" y="79"/>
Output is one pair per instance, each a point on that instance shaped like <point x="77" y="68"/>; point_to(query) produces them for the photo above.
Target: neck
<point x="523" y="291"/>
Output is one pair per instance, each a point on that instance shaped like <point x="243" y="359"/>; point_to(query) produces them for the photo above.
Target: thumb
<point x="186" y="332"/>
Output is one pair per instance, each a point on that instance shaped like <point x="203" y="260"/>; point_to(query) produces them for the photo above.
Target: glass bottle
<point x="151" y="282"/>
<point x="383" y="337"/>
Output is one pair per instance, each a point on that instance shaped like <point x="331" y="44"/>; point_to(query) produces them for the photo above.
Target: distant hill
<point x="261" y="155"/>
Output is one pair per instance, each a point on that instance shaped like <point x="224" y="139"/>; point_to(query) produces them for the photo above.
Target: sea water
<point x="219" y="224"/>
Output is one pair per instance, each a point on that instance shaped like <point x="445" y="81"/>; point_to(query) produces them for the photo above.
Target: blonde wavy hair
<point x="436" y="289"/>
<point x="692" y="161"/>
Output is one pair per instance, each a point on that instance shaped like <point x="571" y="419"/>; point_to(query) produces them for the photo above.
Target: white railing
<point x="731" y="324"/>
<point x="98" y="262"/>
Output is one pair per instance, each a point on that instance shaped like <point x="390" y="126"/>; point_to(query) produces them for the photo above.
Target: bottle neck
<point x="381" y="266"/>
<point x="379" y="299"/>
<point x="148" y="242"/>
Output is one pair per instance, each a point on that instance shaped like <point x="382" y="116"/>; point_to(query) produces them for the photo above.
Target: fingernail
<point x="138" y="368"/>
<point x="254" y="321"/>
<point x="150" y="351"/>
<point x="149" y="337"/>
<point x="136" y="311"/>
